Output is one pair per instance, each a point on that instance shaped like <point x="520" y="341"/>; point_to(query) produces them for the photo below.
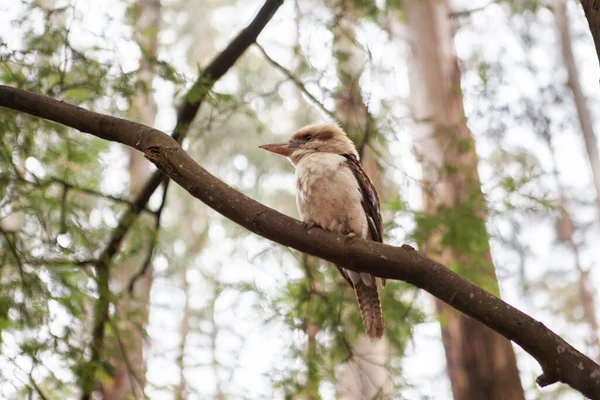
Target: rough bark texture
<point x="365" y="374"/>
<point x="132" y="310"/>
<point x="559" y="8"/>
<point x="481" y="364"/>
<point x="560" y="362"/>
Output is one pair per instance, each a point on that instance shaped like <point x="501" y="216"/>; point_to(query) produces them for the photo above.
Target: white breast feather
<point x="329" y="194"/>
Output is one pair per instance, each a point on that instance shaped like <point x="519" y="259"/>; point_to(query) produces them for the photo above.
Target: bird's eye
<point x="308" y="137"/>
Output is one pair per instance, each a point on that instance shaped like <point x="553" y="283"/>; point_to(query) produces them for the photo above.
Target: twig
<point x="37" y="388"/>
<point x="70" y="186"/>
<point x="153" y="241"/>
<point x="367" y="135"/>
<point x="296" y="81"/>
<point x="60" y="262"/>
<point x="24" y="287"/>
<point x="130" y="369"/>
<point x="466" y="13"/>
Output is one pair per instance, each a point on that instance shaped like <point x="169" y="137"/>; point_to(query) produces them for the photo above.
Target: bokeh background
<point x="472" y="118"/>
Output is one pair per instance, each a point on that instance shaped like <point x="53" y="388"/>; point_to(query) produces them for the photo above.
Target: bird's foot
<point x="349" y="236"/>
<point x="308" y="225"/>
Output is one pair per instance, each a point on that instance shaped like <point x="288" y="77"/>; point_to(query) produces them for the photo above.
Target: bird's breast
<point x="328" y="194"/>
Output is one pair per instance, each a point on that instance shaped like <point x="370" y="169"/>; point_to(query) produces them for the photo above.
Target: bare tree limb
<point x="296" y="82"/>
<point x="560" y="362"/>
<point x="37" y="388"/>
<point x="44" y="182"/>
<point x="369" y="118"/>
<point x="60" y="262"/>
<point x="468" y="12"/>
<point x="153" y="240"/>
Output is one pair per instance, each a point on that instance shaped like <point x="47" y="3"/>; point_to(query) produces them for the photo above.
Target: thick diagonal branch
<point x="560" y="361"/>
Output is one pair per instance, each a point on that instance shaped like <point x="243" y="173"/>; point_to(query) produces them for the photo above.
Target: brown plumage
<point x="335" y="193"/>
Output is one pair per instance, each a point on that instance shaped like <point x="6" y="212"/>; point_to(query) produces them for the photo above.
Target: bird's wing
<point x="370" y="198"/>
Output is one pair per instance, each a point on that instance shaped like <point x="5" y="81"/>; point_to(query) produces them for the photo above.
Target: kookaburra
<point x="335" y="193"/>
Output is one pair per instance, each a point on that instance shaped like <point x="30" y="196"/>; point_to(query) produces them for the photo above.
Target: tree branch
<point x="296" y="82"/>
<point x="468" y="12"/>
<point x="153" y="241"/>
<point x="560" y="361"/>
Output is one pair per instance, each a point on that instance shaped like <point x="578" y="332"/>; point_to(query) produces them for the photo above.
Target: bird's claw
<point x="309" y="225"/>
<point x="349" y="236"/>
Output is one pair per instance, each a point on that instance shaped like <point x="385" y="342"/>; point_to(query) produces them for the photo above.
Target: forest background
<point x="475" y="121"/>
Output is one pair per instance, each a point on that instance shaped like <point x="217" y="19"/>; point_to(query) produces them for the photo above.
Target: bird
<point x="335" y="193"/>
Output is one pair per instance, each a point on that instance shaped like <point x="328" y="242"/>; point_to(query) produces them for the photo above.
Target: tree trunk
<point x="181" y="390"/>
<point x="365" y="375"/>
<point x="132" y="310"/>
<point x="559" y="8"/>
<point x="481" y="364"/>
<point x="586" y="293"/>
<point x="565" y="228"/>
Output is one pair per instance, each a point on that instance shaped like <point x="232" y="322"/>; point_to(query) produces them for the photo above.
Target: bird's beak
<point x="285" y="149"/>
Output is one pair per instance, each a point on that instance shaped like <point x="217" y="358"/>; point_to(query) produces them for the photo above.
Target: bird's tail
<point x="370" y="309"/>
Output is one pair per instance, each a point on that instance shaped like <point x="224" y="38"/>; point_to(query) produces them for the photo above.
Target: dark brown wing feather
<point x="370" y="200"/>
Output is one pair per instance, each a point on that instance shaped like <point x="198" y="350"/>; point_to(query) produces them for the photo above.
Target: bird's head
<point x="321" y="138"/>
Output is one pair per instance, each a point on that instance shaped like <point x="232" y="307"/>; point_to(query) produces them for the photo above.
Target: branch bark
<point x="560" y="362"/>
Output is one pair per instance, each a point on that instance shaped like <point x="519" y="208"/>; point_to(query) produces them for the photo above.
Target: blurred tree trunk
<point x="559" y="8"/>
<point x="566" y="226"/>
<point x="365" y="375"/>
<point x="181" y="390"/>
<point x="481" y="363"/>
<point x="194" y="248"/>
<point x="132" y="310"/>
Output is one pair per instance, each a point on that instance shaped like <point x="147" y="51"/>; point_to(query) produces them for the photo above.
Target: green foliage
<point x="522" y="6"/>
<point x="460" y="229"/>
<point x="324" y="301"/>
<point x="362" y="8"/>
<point x="394" y="4"/>
<point x="50" y="185"/>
